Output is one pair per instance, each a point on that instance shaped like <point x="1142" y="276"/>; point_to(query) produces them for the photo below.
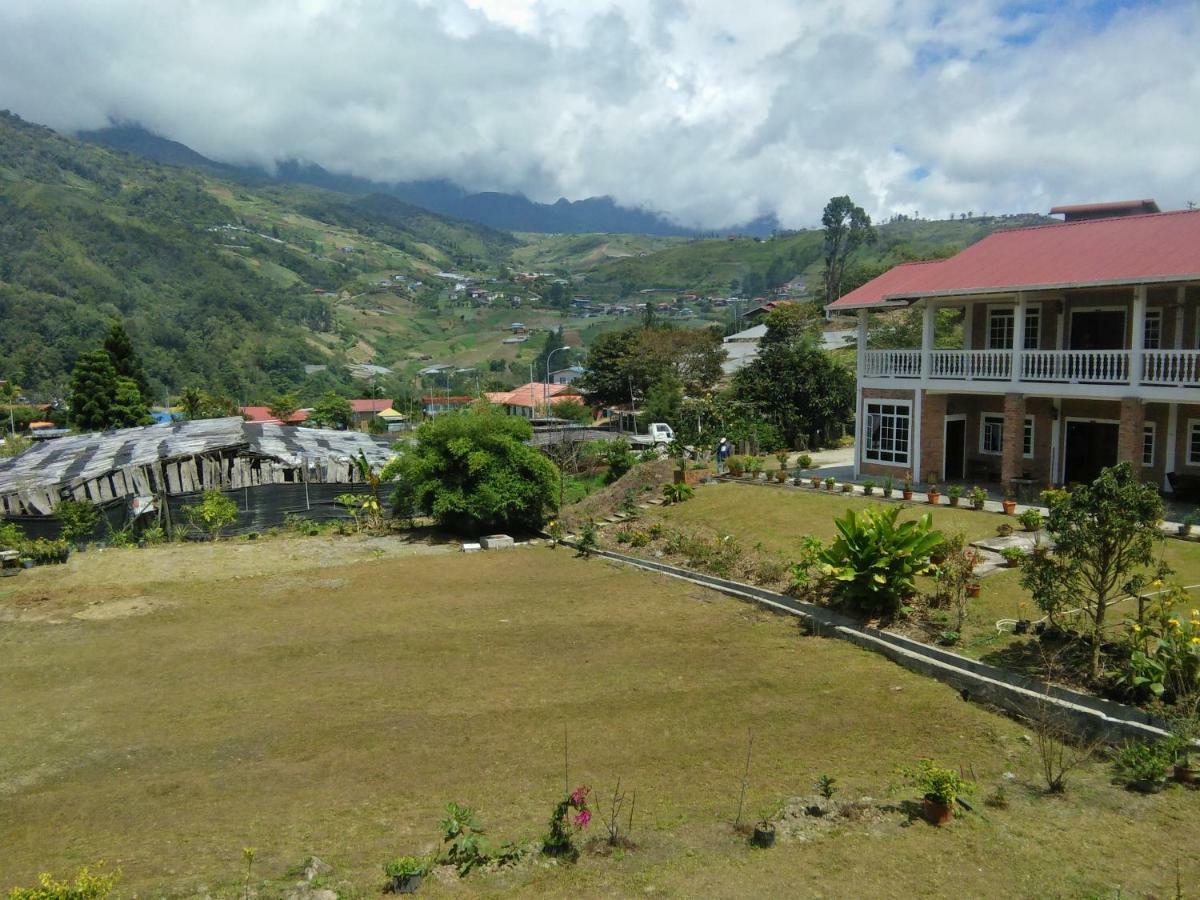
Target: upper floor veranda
<point x="1129" y="341"/>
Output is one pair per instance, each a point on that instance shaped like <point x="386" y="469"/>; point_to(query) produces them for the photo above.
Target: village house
<point x="1080" y="348"/>
<point x="534" y="400"/>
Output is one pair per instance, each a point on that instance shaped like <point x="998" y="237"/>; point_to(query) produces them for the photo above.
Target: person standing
<point x="724" y="448"/>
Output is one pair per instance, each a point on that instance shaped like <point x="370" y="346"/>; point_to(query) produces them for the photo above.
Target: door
<point x="1100" y="329"/>
<point x="955" y="449"/>
<point x="1091" y="446"/>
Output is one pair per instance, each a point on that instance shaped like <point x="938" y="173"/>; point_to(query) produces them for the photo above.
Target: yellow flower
<point x="1136" y="627"/>
<point x="1196" y="640"/>
<point x="1157" y="582"/>
<point x="1174" y="623"/>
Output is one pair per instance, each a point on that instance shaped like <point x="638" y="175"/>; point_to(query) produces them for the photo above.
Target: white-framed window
<point x="1033" y="323"/>
<point x="991" y="435"/>
<point x="1152" y="337"/>
<point x="1001" y="328"/>
<point x="1148" y="430"/>
<point x="886" y="439"/>
<point x="1193" y="455"/>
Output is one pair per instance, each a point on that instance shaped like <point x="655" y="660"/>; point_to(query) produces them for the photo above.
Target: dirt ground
<point x="164" y="708"/>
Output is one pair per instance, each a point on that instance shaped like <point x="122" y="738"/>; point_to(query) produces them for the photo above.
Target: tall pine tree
<point x="125" y="359"/>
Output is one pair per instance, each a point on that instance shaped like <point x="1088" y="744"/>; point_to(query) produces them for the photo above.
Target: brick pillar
<point x="1012" y="463"/>
<point x="933" y="437"/>
<point x="1129" y="437"/>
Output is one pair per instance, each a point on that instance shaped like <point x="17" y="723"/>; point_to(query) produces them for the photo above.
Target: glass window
<point x="1033" y="322"/>
<point x="1152" y="339"/>
<point x="1148" y="444"/>
<point x="991" y="436"/>
<point x="1194" y="444"/>
<point x="1027" y="438"/>
<point x="887" y="433"/>
<point x="1000" y="329"/>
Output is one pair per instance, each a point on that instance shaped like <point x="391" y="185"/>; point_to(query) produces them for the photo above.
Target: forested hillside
<point x="218" y="283"/>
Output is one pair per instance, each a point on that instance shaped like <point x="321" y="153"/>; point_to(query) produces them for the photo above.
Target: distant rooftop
<point x="1081" y="212"/>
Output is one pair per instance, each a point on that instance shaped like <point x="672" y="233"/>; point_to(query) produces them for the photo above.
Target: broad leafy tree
<point x="847" y="227"/>
<point x="199" y="404"/>
<point x="1107" y="546"/>
<point x="633" y="360"/>
<point x="474" y="474"/>
<point x="331" y="411"/>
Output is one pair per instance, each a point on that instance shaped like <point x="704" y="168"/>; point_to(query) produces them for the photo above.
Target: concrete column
<point x="1012" y="463"/>
<point x="1137" y="335"/>
<point x="1180" y="298"/>
<point x="914" y="438"/>
<point x="1172" y="437"/>
<point x="933" y="437"/>
<point x="927" y="332"/>
<point x="1018" y="335"/>
<point x="860" y="420"/>
<point x="1129" y="435"/>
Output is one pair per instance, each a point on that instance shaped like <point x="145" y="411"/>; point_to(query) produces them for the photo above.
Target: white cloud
<point x="711" y="111"/>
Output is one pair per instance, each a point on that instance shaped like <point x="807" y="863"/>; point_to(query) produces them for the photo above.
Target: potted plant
<point x="954" y="492"/>
<point x="1185" y="525"/>
<point x="887" y="486"/>
<point x="1012" y="556"/>
<point x="847" y="487"/>
<point x="1185" y="728"/>
<point x="1031" y="520"/>
<point x="830" y="481"/>
<point x="1004" y="529"/>
<point x="737" y="466"/>
<point x="940" y="788"/>
<point x="781" y="475"/>
<point x="906" y="491"/>
<point x="1144" y="766"/>
<point x="978" y="497"/>
<point x="804" y="461"/>
<point x="764" y="835"/>
<point x="973" y="588"/>
<point x="868" y="488"/>
<point x="816" y="481"/>
<point x="756" y="466"/>
<point x="781" y="457"/>
<point x="932" y="494"/>
<point x="1022" y="624"/>
<point x="1009" y="503"/>
<point x="405" y="873"/>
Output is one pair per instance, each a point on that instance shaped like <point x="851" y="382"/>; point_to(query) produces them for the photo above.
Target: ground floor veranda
<point x="1011" y="442"/>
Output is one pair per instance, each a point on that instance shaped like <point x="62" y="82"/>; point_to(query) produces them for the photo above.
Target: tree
<point x="129" y="407"/>
<point x="475" y="474"/>
<point x="664" y="401"/>
<point x="283" y="406"/>
<point x="1106" y="541"/>
<point x="791" y="321"/>
<point x="847" y="227"/>
<point x="199" y="404"/>
<point x="93" y="391"/>
<point x="331" y="411"/>
<point x="628" y="363"/>
<point x="125" y="359"/>
<point x="798" y="387"/>
<point x="213" y="513"/>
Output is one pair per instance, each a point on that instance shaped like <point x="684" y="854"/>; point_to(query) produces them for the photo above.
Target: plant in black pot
<point x="940" y="789"/>
<point x="405" y="873"/>
<point x="763" y="835"/>
<point x="1144" y="765"/>
<point x="978" y="497"/>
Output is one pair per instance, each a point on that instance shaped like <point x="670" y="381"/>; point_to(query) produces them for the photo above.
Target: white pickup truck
<point x="658" y="434"/>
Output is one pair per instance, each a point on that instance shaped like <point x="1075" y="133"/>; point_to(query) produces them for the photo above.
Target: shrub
<point x="1164" y="652"/>
<point x="617" y="455"/>
<point x="86" y="886"/>
<point x="78" y="518"/>
<point x="1137" y="761"/>
<point x="802" y="568"/>
<point x="474" y="474"/>
<point x="1031" y="520"/>
<point x="587" y="539"/>
<point x="639" y="539"/>
<point x="11" y="536"/>
<point x="678" y="492"/>
<point x="874" y="561"/>
<point x="804" y="461"/>
<point x="213" y="513"/>
<point x="936" y="782"/>
<point x="463" y="844"/>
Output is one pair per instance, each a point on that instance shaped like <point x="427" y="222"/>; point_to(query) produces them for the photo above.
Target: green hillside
<point x="220" y="285"/>
<point x="570" y="253"/>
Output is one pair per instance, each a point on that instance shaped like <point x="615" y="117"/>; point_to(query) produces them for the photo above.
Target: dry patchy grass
<point x="309" y="698"/>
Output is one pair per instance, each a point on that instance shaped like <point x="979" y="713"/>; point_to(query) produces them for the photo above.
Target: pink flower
<point x="582" y="819"/>
<point x="579" y="796"/>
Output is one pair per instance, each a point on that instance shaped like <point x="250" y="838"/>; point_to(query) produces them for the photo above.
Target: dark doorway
<point x="956" y="449"/>
<point x="1091" y="446"/>
<point x="1102" y="329"/>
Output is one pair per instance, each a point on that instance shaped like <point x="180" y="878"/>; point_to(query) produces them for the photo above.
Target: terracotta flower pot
<point x="1010" y="506"/>
<point x="1185" y="774"/>
<point x="933" y="497"/>
<point x="954" y="501"/>
<point x="973" y="590"/>
<point x="938" y="813"/>
<point x="816" y="481"/>
<point x="907" y="495"/>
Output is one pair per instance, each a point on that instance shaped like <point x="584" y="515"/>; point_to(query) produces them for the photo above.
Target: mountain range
<point x="511" y="212"/>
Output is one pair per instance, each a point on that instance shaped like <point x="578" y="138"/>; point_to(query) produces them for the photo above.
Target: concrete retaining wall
<point x="1011" y="692"/>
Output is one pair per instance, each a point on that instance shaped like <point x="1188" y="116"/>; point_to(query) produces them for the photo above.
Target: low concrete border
<point x="1014" y="693"/>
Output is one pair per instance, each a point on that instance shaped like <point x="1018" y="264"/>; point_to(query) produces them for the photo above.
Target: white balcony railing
<point x="1076" y="366"/>
<point x="1171" y="367"/>
<point x="984" y="365"/>
<point x="1168" y="368"/>
<point x="892" y="364"/>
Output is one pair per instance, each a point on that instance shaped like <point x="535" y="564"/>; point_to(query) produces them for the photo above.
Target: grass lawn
<point x="164" y="708"/>
<point x="779" y="519"/>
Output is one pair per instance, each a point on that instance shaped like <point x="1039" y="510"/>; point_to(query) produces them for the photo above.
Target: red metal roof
<point x="369" y="406"/>
<point x="534" y="394"/>
<point x="261" y="415"/>
<point x="1098" y="252"/>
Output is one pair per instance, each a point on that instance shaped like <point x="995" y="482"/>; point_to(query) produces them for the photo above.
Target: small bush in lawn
<point x="624" y="536"/>
<point x="86" y="886"/>
<point x="678" y="492"/>
<point x="78" y="518"/>
<point x="874" y="561"/>
<point x="639" y="539"/>
<point x="213" y="513"/>
<point x="826" y="786"/>
<point x="587" y="539"/>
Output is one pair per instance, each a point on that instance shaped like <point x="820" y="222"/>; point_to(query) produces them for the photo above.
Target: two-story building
<point x="1080" y="348"/>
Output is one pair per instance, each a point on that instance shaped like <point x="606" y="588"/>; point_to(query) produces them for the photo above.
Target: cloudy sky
<point x="712" y="111"/>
